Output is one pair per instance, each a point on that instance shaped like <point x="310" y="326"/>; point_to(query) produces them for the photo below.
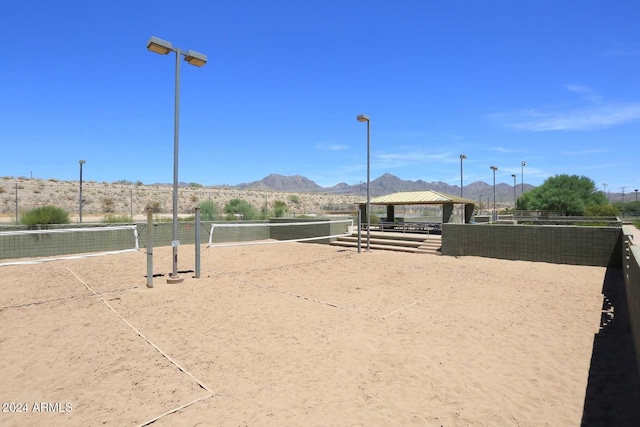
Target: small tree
<point x="209" y="211"/>
<point x="279" y="208"/>
<point x="569" y="194"/>
<point x="44" y="216"/>
<point x="240" y="207"/>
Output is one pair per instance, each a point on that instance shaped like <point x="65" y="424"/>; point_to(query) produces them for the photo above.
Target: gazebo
<point x="428" y="197"/>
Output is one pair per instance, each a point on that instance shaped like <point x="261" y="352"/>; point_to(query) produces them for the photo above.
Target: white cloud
<point x="502" y="150"/>
<point x="597" y="117"/>
<point x="587" y="93"/>
<point x="331" y="147"/>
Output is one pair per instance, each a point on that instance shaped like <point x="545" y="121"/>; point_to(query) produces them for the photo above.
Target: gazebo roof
<point x="418" y="198"/>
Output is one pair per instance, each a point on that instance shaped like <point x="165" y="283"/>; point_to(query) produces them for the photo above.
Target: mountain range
<point x="385" y="184"/>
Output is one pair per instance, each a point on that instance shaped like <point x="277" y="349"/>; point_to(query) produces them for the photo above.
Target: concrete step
<point x="412" y="244"/>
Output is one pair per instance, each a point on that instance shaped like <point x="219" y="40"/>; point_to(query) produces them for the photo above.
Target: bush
<point x="117" y="219"/>
<point x="294" y="199"/>
<point x="44" y="216"/>
<point x="154" y="206"/>
<point x="108" y="205"/>
<point x="601" y="210"/>
<point x="240" y="207"/>
<point x="209" y="211"/>
<point x="279" y="208"/>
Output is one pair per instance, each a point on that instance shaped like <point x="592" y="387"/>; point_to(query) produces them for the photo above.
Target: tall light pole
<point x="82" y="162"/>
<point x="494" y="169"/>
<point x="462" y="157"/>
<point x="604" y="190"/>
<point x="522" y="165"/>
<point x="515" y="198"/>
<point x="365" y="118"/>
<point x="163" y="47"/>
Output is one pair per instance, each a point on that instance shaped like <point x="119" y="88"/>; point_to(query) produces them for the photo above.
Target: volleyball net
<point x="47" y="245"/>
<point x="278" y="232"/>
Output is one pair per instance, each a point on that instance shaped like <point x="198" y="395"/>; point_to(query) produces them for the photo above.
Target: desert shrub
<point x="294" y="199"/>
<point x="601" y="210"/>
<point x="279" y="208"/>
<point x="195" y="185"/>
<point x="240" y="207"/>
<point x="45" y="215"/>
<point x="116" y="219"/>
<point x="209" y="211"/>
<point x="2" y="190"/>
<point x="154" y="206"/>
<point x="108" y="205"/>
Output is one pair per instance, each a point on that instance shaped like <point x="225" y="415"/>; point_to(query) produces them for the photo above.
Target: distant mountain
<point x="386" y="184"/>
<point x="277" y="182"/>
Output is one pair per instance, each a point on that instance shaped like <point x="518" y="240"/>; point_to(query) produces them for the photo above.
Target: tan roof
<point x="418" y="198"/>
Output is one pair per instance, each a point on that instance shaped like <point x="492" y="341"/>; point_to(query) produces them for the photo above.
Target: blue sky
<point x="554" y="83"/>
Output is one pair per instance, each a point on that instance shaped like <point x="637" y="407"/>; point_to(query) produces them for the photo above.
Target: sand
<point x="298" y="334"/>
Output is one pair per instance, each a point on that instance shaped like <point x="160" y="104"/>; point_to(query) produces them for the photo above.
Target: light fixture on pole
<point x="522" y="165"/>
<point x="515" y="198"/>
<point x="462" y="157"/>
<point x="365" y="118"/>
<point x="163" y="47"/>
<point x="494" y="217"/>
<point x="82" y="162"/>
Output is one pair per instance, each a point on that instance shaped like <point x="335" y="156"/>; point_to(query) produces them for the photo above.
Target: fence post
<point x="16" y="203"/>
<point x="359" y="231"/>
<point x="149" y="248"/>
<point x="197" y="243"/>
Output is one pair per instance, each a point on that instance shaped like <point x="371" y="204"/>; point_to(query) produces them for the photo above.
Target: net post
<point x="359" y="231"/>
<point x="149" y="248"/>
<point x="197" y="243"/>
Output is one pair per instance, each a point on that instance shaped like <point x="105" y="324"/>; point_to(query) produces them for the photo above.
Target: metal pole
<point x="515" y="198"/>
<point x="149" y="248"/>
<point x="176" y="129"/>
<point x="636" y="190"/>
<point x="81" y="163"/>
<point x="197" y="243"/>
<point x="17" y="202"/>
<point x="462" y="157"/>
<point x="131" y="204"/>
<point x="360" y="230"/>
<point x="523" y="164"/>
<point x="368" y="185"/>
<point x="480" y="205"/>
<point x="494" y="215"/>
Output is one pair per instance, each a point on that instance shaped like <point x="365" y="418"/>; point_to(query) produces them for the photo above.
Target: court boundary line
<point x="293" y="294"/>
<point x="174" y="410"/>
<point x="47" y="301"/>
<point x="196" y="380"/>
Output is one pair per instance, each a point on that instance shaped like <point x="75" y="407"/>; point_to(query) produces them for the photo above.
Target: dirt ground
<point x="296" y="334"/>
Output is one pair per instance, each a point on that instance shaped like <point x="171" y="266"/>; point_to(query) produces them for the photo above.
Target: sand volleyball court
<point x="297" y="334"/>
